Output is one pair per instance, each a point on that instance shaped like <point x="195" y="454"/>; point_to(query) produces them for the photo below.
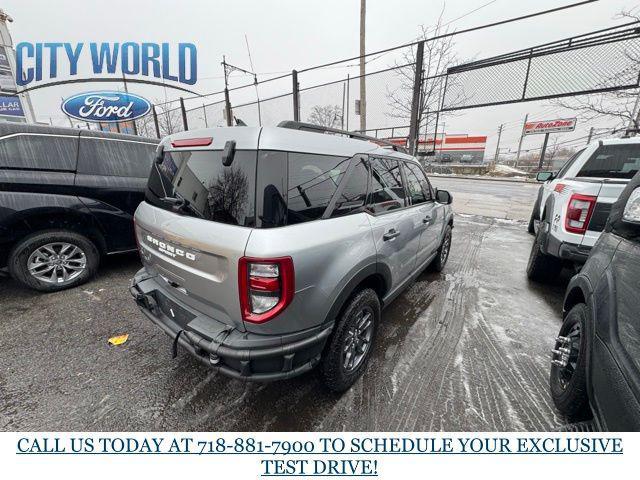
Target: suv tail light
<point x="266" y="287"/>
<point x="579" y="212"/>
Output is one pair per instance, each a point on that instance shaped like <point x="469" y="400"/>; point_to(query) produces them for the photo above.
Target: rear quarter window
<point x="39" y="152"/>
<point x="613" y="161"/>
<point x="115" y="157"/>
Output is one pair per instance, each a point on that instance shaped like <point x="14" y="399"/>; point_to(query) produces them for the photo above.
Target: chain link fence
<point x="586" y="64"/>
<point x="403" y="102"/>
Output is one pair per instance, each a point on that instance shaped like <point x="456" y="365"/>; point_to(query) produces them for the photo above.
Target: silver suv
<point x="269" y="251"/>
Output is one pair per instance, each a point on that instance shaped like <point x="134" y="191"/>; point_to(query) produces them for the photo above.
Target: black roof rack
<point x="310" y="127"/>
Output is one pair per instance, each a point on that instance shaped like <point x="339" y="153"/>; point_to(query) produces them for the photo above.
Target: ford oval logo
<point x="106" y="106"/>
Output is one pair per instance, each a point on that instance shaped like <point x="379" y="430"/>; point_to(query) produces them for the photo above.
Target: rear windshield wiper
<point x="180" y="203"/>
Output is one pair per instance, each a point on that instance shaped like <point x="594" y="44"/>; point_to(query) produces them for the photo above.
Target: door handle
<point x="390" y="235"/>
<point x="427" y="219"/>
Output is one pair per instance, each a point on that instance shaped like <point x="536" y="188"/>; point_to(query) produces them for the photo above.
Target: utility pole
<point x="495" y="158"/>
<point x="228" y="68"/>
<point x="634" y="122"/>
<point x="544" y="149"/>
<point x="363" y="80"/>
<point x="590" y="135"/>
<point x="524" y="126"/>
<point x="204" y="111"/>
<point x="126" y="90"/>
<point x="227" y="102"/>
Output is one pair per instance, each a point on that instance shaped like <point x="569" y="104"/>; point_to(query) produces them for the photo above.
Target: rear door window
<point x="213" y="192"/>
<point x="115" y="157"/>
<point x="353" y="197"/>
<point x="39" y="152"/>
<point x="386" y="191"/>
<point x="567" y="165"/>
<point x="613" y="161"/>
<point x="313" y="180"/>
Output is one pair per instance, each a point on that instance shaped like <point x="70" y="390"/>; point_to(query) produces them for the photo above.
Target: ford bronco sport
<point x="268" y="251"/>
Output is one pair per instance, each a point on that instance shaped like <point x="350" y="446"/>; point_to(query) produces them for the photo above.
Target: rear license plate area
<point x="174" y="311"/>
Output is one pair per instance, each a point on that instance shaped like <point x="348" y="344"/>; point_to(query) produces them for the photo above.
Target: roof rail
<point x="310" y="127"/>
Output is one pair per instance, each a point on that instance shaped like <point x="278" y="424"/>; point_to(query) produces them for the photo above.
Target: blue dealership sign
<point x="11" y="105"/>
<point x="106" y="106"/>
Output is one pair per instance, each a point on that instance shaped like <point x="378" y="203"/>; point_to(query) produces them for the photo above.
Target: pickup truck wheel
<point x="349" y="348"/>
<point x="53" y="260"/>
<point x="541" y="267"/>
<point x="567" y="380"/>
<point x="443" y="252"/>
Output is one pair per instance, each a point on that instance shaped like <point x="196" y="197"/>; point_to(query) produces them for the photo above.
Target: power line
<point x="436" y="37"/>
<point x="459" y="32"/>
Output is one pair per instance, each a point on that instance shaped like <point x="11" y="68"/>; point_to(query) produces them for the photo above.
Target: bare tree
<point x="620" y="106"/>
<point x="439" y="55"/>
<point x="326" y="116"/>
<point x="169" y="121"/>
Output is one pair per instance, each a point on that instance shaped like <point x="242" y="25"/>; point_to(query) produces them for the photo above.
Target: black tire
<point x="569" y="384"/>
<point x="541" y="267"/>
<point x="438" y="263"/>
<point x="19" y="257"/>
<point x="335" y="374"/>
<point x="535" y="214"/>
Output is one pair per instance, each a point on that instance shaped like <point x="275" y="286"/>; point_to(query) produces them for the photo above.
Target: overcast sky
<point x="295" y="34"/>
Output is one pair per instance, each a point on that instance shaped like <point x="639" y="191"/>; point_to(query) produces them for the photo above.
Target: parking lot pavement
<point x="467" y="349"/>
<point x="490" y="198"/>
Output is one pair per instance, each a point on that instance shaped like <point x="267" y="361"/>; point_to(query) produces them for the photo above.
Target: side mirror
<point x="228" y="153"/>
<point x="159" y="154"/>
<point x="544" y="176"/>
<point x="442" y="196"/>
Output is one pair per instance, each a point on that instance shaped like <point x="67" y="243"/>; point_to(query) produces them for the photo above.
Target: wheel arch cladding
<point x="372" y="276"/>
<point x="574" y="297"/>
<point x="30" y="222"/>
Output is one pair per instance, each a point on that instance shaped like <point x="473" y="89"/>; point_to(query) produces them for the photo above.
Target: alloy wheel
<point x="57" y="262"/>
<point x="357" y="340"/>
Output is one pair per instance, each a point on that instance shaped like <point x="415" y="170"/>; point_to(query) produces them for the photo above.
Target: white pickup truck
<point x="573" y="204"/>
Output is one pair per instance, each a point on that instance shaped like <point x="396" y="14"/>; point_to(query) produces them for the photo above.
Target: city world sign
<point x="52" y="60"/>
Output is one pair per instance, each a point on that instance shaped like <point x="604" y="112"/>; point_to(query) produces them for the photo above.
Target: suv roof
<point x="619" y="141"/>
<point x="287" y="139"/>
<point x="10" y="128"/>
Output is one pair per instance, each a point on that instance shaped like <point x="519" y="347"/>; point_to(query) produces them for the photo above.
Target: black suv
<point x="67" y="196"/>
<point x="596" y="359"/>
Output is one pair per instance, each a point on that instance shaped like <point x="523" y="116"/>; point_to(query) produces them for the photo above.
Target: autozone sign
<point x="550" y="126"/>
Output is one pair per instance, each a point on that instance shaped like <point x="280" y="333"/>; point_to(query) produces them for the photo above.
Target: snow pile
<point x="506" y="171"/>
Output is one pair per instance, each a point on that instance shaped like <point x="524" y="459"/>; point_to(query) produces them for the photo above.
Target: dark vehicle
<point x="67" y="197"/>
<point x="596" y="359"/>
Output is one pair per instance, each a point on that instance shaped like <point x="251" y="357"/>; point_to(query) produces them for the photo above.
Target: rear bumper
<point x="567" y="251"/>
<point x="236" y="354"/>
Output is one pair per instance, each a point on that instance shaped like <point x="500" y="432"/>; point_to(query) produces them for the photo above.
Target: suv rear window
<point x="613" y="161"/>
<point x="213" y="192"/>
